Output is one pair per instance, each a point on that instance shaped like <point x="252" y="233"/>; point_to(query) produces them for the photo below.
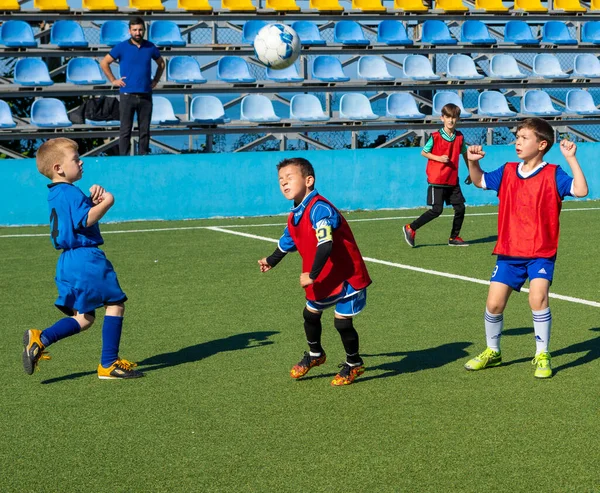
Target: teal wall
<point x="170" y="187"/>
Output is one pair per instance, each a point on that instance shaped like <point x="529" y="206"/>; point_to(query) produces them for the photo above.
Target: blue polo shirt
<point x="135" y="64"/>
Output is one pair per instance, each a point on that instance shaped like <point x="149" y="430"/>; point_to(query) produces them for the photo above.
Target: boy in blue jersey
<point x="84" y="277"/>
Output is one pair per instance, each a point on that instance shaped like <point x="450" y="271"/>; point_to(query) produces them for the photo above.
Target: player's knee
<point x="115" y="310"/>
<point x="495" y="307"/>
<point x="343" y="324"/>
<point x="538" y="300"/>
<point x="437" y="209"/>
<point x="459" y="209"/>
<point x="85" y="320"/>
<point x="311" y="317"/>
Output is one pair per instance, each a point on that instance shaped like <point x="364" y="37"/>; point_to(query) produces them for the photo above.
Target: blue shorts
<point x="348" y="303"/>
<point x="86" y="280"/>
<point x="514" y="271"/>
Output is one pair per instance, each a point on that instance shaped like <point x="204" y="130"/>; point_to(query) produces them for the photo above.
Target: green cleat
<point x="488" y="359"/>
<point x="543" y="368"/>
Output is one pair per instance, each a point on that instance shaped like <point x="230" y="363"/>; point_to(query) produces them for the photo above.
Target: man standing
<point x="134" y="57"/>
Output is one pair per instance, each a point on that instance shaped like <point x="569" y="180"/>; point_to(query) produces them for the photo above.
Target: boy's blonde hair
<point x="52" y="152"/>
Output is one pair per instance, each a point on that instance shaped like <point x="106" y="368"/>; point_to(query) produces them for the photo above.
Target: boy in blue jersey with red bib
<point x="530" y="195"/>
<point x="85" y="278"/>
<point x="333" y="270"/>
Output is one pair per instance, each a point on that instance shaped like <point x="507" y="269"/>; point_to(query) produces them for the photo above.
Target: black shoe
<point x="457" y="241"/>
<point x="409" y="235"/>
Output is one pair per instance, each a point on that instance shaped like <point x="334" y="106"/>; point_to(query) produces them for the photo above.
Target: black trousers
<point x="436" y="197"/>
<point x="129" y="105"/>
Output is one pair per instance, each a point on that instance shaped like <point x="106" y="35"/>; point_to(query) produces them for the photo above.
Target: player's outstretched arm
<point x="568" y="149"/>
<point x="105" y="202"/>
<point x="474" y="154"/>
<point x="272" y="260"/>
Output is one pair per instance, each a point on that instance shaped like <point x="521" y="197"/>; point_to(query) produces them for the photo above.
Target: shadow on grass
<point x="487" y="239"/>
<point x="190" y="354"/>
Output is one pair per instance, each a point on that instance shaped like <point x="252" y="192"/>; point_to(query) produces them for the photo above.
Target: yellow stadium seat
<point x="530" y="6"/>
<point x="50" y="4"/>
<point x="146" y="5"/>
<point x="594" y="5"/>
<point x="569" y="6"/>
<point x="9" y="5"/>
<point x="282" y="5"/>
<point x="237" y="5"/>
<point x="194" y="5"/>
<point x="368" y="5"/>
<point x="451" y="5"/>
<point x="410" y="5"/>
<point x="490" y="5"/>
<point x="325" y="5"/>
<point x="104" y="5"/>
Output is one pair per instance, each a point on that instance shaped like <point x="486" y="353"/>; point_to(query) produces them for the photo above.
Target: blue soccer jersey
<point x="564" y="183"/>
<point x="69" y="209"/>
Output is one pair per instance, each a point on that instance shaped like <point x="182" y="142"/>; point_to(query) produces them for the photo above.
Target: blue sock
<point x="111" y="337"/>
<point x="65" y="327"/>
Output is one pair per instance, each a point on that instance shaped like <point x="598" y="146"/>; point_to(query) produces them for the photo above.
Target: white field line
<point x="415" y="269"/>
<point x="191" y="228"/>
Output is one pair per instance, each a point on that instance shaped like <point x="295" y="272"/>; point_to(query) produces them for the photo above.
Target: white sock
<point x="542" y="321"/>
<point x="493" y="329"/>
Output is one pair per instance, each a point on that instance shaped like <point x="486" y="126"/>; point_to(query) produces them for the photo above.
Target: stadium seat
<point x="557" y="33"/>
<point x="402" y="105"/>
<point x="490" y="5"/>
<point x="569" y="6"/>
<point x="9" y="5"/>
<point x="32" y="72"/>
<point x="519" y="32"/>
<point x="462" y="67"/>
<point x="325" y="5"/>
<point x="113" y="32"/>
<point x="410" y="5"/>
<point x="282" y="5"/>
<point x="6" y="119"/>
<point x="307" y="108"/>
<point x="505" y="67"/>
<point x="234" y="69"/>
<point x="17" y="34"/>
<point x="50" y="5"/>
<point x="418" y="67"/>
<point x="356" y="106"/>
<point x="586" y="65"/>
<point x="547" y="66"/>
<point x="49" y="112"/>
<point x="442" y="98"/>
<point x="99" y="5"/>
<point x="538" y="103"/>
<point x="289" y="74"/>
<point x="368" y="5"/>
<point x="258" y="108"/>
<point x="250" y="30"/>
<point x="194" y="5"/>
<point x="493" y="103"/>
<point x="373" y="68"/>
<point x="328" y="68"/>
<point x="309" y="33"/>
<point x="393" y="33"/>
<point x="450" y="5"/>
<point x="208" y="109"/>
<point x="146" y="5"/>
<point x="529" y="6"/>
<point x="238" y="5"/>
<point x="349" y="33"/>
<point x="164" y="34"/>
<point x="581" y="102"/>
<point x="184" y="70"/>
<point x="476" y="33"/>
<point x="162" y="112"/>
<point x="590" y="32"/>
<point x="436" y="33"/>
<point x="67" y="34"/>
<point x="84" y="71"/>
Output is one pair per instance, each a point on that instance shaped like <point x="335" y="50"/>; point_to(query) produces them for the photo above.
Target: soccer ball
<point x="277" y="46"/>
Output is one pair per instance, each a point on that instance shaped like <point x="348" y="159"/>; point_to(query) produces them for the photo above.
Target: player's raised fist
<point x="568" y="148"/>
<point x="475" y="153"/>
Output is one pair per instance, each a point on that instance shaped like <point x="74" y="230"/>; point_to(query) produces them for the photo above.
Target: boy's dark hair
<point x="451" y="110"/>
<point x="541" y="128"/>
<point x="305" y="167"/>
<point x="137" y="21"/>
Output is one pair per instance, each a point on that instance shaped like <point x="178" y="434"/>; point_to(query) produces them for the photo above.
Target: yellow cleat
<point x="543" y="367"/>
<point x="119" y="370"/>
<point x="347" y="374"/>
<point x="488" y="359"/>
<point x="33" y="350"/>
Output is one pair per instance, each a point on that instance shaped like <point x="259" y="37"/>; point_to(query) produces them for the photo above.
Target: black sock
<point x="349" y="339"/>
<point x="313" y="329"/>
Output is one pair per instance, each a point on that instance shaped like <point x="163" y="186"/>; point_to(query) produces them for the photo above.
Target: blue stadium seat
<point x="234" y="69"/>
<point x="84" y="71"/>
<point x="462" y="67"/>
<point x="349" y="33"/>
<point x="162" y="112"/>
<point x="307" y="108"/>
<point x="208" y="109"/>
<point x="32" y="72"/>
<point x="49" y="112"/>
<point x="165" y="34"/>
<point x="67" y="34"/>
<point x="590" y="32"/>
<point x="356" y="106"/>
<point x="538" y="103"/>
<point x="442" y="98"/>
<point x="103" y="123"/>
<point x="547" y="66"/>
<point x="581" y="102"/>
<point x="505" y="67"/>
<point x="258" y="108"/>
<point x="309" y="33"/>
<point x="476" y="32"/>
<point x="17" y="34"/>
<point x="113" y="32"/>
<point x="402" y="105"/>
<point x="184" y="70"/>
<point x="586" y="65"/>
<point x="418" y="67"/>
<point x="493" y="103"/>
<point x="250" y="30"/>
<point x="289" y="74"/>
<point x="328" y="69"/>
<point x="436" y="33"/>
<point x="373" y="68"/>
<point x="519" y="32"/>
<point x="557" y="33"/>
<point x="393" y="33"/>
<point x="6" y="119"/>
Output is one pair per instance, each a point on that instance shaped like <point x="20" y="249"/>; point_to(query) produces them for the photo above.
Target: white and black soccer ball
<point x="277" y="46"/>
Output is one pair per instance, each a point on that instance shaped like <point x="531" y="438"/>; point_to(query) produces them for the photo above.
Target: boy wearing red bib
<point x="333" y="271"/>
<point x="530" y="195"/>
